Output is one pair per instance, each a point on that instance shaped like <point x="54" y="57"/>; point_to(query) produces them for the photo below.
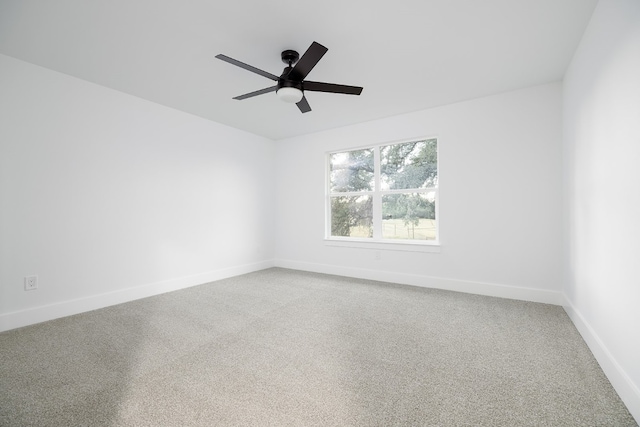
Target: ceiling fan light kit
<point x="290" y="86"/>
<point x="290" y="94"/>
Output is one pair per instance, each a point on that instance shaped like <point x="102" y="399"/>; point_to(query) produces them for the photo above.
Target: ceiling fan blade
<point x="256" y="93"/>
<point x="247" y="67"/>
<point x="306" y="63"/>
<point x="303" y="105"/>
<point x="331" y="87"/>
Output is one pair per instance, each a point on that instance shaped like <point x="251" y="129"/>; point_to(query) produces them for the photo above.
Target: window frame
<point x="377" y="241"/>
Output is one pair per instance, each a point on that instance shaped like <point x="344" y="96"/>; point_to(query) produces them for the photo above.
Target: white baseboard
<point x="44" y="313"/>
<point x="470" y="287"/>
<point x="621" y="382"/>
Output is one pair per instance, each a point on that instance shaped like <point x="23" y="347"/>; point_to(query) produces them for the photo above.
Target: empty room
<point x="410" y="213"/>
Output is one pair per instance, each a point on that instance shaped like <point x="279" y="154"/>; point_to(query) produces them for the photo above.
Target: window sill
<point x="406" y="246"/>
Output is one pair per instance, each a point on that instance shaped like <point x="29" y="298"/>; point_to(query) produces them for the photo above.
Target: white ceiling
<point x="407" y="54"/>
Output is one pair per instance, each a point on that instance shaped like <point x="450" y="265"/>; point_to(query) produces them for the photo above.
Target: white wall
<point x="602" y="152"/>
<point x="500" y="200"/>
<point x="107" y="197"/>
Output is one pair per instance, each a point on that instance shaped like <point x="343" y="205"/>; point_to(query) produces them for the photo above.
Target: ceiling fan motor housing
<point x="284" y="81"/>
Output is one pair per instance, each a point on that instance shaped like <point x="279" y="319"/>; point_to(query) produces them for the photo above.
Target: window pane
<point x="352" y="216"/>
<point x="352" y="171"/>
<point x="409" y="165"/>
<point x="409" y="216"/>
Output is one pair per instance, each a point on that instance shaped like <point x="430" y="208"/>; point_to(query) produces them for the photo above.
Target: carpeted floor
<point x="288" y="348"/>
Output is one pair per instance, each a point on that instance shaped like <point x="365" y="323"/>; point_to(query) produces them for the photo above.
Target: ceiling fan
<point x="291" y="84"/>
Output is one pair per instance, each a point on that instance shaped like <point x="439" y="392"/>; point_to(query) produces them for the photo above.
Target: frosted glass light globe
<point x="290" y="94"/>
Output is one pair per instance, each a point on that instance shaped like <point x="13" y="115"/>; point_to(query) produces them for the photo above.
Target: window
<point x="386" y="193"/>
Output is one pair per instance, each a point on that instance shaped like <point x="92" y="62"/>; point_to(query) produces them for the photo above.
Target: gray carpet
<point x="288" y="348"/>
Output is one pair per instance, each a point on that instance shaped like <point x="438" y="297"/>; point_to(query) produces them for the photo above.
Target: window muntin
<point x="385" y="193"/>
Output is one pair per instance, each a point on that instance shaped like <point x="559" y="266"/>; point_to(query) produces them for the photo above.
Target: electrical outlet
<point x="30" y="283"/>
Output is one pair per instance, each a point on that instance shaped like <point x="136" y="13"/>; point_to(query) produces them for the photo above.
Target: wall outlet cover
<point x="30" y="283"/>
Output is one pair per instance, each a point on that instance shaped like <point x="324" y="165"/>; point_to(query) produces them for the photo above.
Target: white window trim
<point x="377" y="242"/>
<point x="384" y="244"/>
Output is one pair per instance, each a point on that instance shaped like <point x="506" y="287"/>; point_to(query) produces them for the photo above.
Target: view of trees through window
<point x="385" y="192"/>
